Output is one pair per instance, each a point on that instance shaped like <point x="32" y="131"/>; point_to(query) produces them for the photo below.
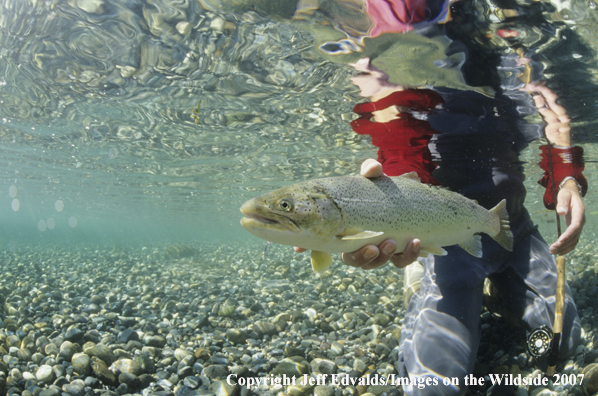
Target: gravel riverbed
<point x="181" y="320"/>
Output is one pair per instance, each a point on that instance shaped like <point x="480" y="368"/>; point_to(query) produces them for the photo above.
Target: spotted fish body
<point x="343" y="214"/>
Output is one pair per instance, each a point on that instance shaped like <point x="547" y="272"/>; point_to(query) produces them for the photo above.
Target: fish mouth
<point x="256" y="220"/>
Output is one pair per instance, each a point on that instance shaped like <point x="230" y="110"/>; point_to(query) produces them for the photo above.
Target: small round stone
<point x="45" y="374"/>
<point x="128" y="366"/>
<point x="51" y="349"/>
<point x="81" y="363"/>
<point x="75" y="388"/>
<point x="215" y="371"/>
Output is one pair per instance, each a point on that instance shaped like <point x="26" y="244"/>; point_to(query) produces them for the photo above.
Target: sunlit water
<point x="130" y="121"/>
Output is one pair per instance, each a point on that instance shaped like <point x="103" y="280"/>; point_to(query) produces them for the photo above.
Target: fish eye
<point x="285" y="205"/>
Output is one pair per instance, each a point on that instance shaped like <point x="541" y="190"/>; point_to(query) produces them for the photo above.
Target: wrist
<point x="571" y="182"/>
<point x="562" y="166"/>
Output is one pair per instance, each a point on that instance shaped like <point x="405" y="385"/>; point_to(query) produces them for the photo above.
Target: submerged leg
<point x="441" y="332"/>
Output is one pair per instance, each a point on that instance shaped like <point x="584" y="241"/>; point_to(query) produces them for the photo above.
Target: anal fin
<point x="473" y="246"/>
<point x="320" y="261"/>
<point x="504" y="236"/>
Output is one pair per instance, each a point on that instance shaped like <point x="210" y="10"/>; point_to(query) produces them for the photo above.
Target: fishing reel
<point x="538" y="342"/>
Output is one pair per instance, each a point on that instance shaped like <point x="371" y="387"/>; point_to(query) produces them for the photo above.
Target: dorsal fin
<point x="411" y="176"/>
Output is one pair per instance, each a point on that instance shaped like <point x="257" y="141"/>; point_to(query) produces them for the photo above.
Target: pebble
<point x="59" y="370"/>
<point x="181" y="354"/>
<point x="100" y="370"/>
<point x="154" y="341"/>
<point x="192" y="382"/>
<point x="73" y="334"/>
<point x="102" y="352"/>
<point x="360" y="365"/>
<point x="16" y="375"/>
<point x="290" y="368"/>
<point x="236" y="336"/>
<point x="324" y="390"/>
<point x="128" y="366"/>
<point x="24" y="355"/>
<point x="127" y="335"/>
<point x="323" y="366"/>
<point x="382" y="350"/>
<point x="51" y="349"/>
<point x="45" y="373"/>
<point x="591" y="378"/>
<point x="68" y="349"/>
<point x="215" y="371"/>
<point x="131" y="380"/>
<point x="160" y="335"/>
<point x="222" y="388"/>
<point x="262" y="328"/>
<point x="52" y="390"/>
<point x="75" y="388"/>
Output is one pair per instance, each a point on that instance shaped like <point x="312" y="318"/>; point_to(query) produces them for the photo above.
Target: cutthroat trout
<point x="343" y="214"/>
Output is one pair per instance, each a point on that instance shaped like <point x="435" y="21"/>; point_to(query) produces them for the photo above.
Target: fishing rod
<point x="557" y="327"/>
<point x="542" y="341"/>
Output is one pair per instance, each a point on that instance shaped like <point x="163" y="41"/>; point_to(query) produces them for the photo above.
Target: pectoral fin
<point x="433" y="249"/>
<point x="473" y="246"/>
<point x="320" y="261"/>
<point x="362" y="235"/>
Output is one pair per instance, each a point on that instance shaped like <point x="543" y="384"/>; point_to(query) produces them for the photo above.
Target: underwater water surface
<point x="129" y="120"/>
<point x="156" y="121"/>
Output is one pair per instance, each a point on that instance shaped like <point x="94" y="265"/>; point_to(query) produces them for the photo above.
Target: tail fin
<point x="504" y="236"/>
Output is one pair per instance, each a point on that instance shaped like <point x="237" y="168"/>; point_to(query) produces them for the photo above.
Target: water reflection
<point x="396" y="120"/>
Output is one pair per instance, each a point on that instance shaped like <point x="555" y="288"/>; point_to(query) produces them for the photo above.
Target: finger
<point x="298" y="249"/>
<point x="569" y="239"/>
<point x="361" y="257"/>
<point x="411" y="253"/>
<point x="546" y="99"/>
<point x="551" y="99"/>
<point x="371" y="168"/>
<point x="387" y="250"/>
<point x="370" y="256"/>
<point x="564" y="246"/>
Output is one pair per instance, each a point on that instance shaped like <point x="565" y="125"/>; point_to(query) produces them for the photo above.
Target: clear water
<point x="102" y="140"/>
